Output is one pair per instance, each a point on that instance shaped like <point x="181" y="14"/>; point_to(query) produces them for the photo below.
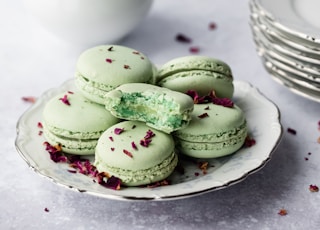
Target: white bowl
<point x="89" y="21"/>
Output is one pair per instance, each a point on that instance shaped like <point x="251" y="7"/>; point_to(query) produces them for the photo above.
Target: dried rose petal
<point x="203" y="166"/>
<point x="249" y="141"/>
<point x="65" y="100"/>
<point x="118" y="131"/>
<point x="127" y="153"/>
<point x="149" y="134"/>
<point x="158" y="184"/>
<point x="40" y="133"/>
<point x="145" y="142"/>
<point x="203" y="115"/>
<point x="110" y="48"/>
<point x="292" y="131"/>
<point x="55" y="153"/>
<point x="194" y="49"/>
<point x="183" y="38"/>
<point x="70" y="92"/>
<point x="226" y="102"/>
<point x="29" y="99"/>
<point x="46" y="210"/>
<point x="136" y="52"/>
<point x="126" y="66"/>
<point x="207" y="108"/>
<point x="72" y="171"/>
<point x="133" y="127"/>
<point x="283" y="212"/>
<point x="313" y="188"/>
<point x="212" y="25"/>
<point x="194" y="95"/>
<point x="109" y="60"/>
<point x="40" y="125"/>
<point x="113" y="183"/>
<point x="112" y="149"/>
<point x="134" y="146"/>
<point x="111" y="138"/>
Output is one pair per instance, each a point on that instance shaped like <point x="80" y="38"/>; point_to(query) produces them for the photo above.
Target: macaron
<point x="214" y="131"/>
<point x="135" y="153"/>
<point x="158" y="107"/>
<point x="74" y="122"/>
<point x="103" y="68"/>
<point x="199" y="73"/>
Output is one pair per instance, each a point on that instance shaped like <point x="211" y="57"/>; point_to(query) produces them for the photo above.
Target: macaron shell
<point x="203" y="82"/>
<point x="113" y="65"/>
<point x="122" y="155"/>
<point x="214" y="131"/>
<point x="73" y="146"/>
<point x="81" y="119"/>
<point x="210" y="150"/>
<point x="111" y="146"/>
<point x="194" y="63"/>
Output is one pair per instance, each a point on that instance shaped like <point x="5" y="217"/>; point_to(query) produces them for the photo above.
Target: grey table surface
<point x="33" y="60"/>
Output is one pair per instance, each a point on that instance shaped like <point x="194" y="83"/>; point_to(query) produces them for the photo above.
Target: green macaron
<point x="214" y="131"/>
<point x="103" y="68"/>
<point x="74" y="122"/>
<point x="199" y="73"/>
<point x="159" y="107"/>
<point x="135" y="153"/>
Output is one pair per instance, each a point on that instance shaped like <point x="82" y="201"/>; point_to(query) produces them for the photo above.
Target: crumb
<point x="183" y="38"/>
<point x="29" y="99"/>
<point x="292" y="131"/>
<point x="283" y="212"/>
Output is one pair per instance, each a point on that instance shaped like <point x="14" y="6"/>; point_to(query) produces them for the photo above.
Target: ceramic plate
<point x="264" y="126"/>
<point x="297" y="18"/>
<point x="284" y="79"/>
<point x="299" y="69"/>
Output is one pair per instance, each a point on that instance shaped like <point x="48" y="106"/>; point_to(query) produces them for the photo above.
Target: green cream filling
<point x="157" y="110"/>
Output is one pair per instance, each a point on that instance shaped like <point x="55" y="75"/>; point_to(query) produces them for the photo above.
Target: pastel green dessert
<point x="214" y="131"/>
<point x="160" y="108"/>
<point x="199" y="73"/>
<point x="103" y="68"/>
<point x="135" y="153"/>
<point x="76" y="123"/>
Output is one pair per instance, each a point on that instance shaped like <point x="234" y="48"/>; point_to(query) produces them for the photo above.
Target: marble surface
<point x="32" y="61"/>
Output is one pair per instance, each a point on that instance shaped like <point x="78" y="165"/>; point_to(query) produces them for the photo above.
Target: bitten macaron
<point x="199" y="73"/>
<point x="159" y="107"/>
<point x="135" y="153"/>
<point x="103" y="68"/>
<point x="214" y="131"/>
<point x="74" y="122"/>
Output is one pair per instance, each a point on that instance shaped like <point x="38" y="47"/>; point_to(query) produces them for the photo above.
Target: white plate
<point x="284" y="79"/>
<point x="303" y="71"/>
<point x="279" y="38"/>
<point x="264" y="126"/>
<point x="296" y="18"/>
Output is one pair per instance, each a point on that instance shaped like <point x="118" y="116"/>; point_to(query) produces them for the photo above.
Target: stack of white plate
<point x="287" y="37"/>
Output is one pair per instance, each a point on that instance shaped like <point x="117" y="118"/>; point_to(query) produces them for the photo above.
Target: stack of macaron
<point x="136" y="118"/>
